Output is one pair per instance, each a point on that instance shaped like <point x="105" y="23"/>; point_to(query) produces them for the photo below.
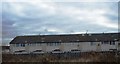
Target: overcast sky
<point x="34" y="18"/>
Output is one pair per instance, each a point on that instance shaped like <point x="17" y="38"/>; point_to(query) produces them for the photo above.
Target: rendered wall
<point x="83" y="46"/>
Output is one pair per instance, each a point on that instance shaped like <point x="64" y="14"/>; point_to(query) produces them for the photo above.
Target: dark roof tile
<point x="66" y="38"/>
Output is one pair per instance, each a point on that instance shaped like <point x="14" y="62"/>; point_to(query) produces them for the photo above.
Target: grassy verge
<point x="81" y="57"/>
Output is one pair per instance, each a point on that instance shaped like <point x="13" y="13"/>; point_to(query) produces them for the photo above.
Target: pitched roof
<point x="65" y="38"/>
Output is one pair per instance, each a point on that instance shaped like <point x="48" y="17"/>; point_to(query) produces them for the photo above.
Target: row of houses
<point x="67" y="42"/>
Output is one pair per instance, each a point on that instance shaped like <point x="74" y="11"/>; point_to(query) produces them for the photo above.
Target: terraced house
<point x="66" y="42"/>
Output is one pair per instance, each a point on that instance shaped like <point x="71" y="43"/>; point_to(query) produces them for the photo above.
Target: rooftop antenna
<point x="103" y="33"/>
<point x="40" y="33"/>
<point x="86" y="31"/>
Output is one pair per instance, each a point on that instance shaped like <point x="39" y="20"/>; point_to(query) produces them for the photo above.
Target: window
<point x="40" y="44"/>
<point x="72" y="43"/>
<point x="17" y="45"/>
<point x="49" y="44"/>
<point x="105" y="42"/>
<point x="57" y="44"/>
<point x="30" y="44"/>
<point x="54" y="44"/>
<point x="112" y="42"/>
<point x="92" y="43"/>
<point x="22" y="45"/>
<point x="34" y="44"/>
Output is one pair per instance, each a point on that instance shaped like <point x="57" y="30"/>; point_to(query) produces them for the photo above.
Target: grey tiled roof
<point x="65" y="38"/>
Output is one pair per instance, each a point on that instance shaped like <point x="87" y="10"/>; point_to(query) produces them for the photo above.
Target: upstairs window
<point x="50" y="44"/>
<point x="22" y="45"/>
<point x="92" y="43"/>
<point x="33" y="44"/>
<point x="56" y="44"/>
<point x="30" y="44"/>
<point x="17" y="45"/>
<point x="40" y="44"/>
<point x="109" y="42"/>
<point x="112" y="42"/>
<point x="105" y="42"/>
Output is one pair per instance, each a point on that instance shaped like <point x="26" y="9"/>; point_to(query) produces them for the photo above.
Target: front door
<point x="98" y="47"/>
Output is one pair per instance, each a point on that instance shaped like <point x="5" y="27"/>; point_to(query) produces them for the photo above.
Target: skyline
<point x="34" y="18"/>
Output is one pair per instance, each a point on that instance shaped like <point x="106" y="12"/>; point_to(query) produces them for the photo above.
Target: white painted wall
<point x="106" y="47"/>
<point x="83" y="46"/>
<point x="68" y="46"/>
<point x="13" y="48"/>
<point x="33" y="48"/>
<point x="118" y="46"/>
<point x="51" y="48"/>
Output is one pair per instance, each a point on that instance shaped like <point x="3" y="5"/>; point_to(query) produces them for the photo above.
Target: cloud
<point x="61" y="0"/>
<point x="30" y="18"/>
<point x="94" y="16"/>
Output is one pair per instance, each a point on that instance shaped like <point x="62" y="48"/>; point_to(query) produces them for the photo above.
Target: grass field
<point x="80" y="57"/>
